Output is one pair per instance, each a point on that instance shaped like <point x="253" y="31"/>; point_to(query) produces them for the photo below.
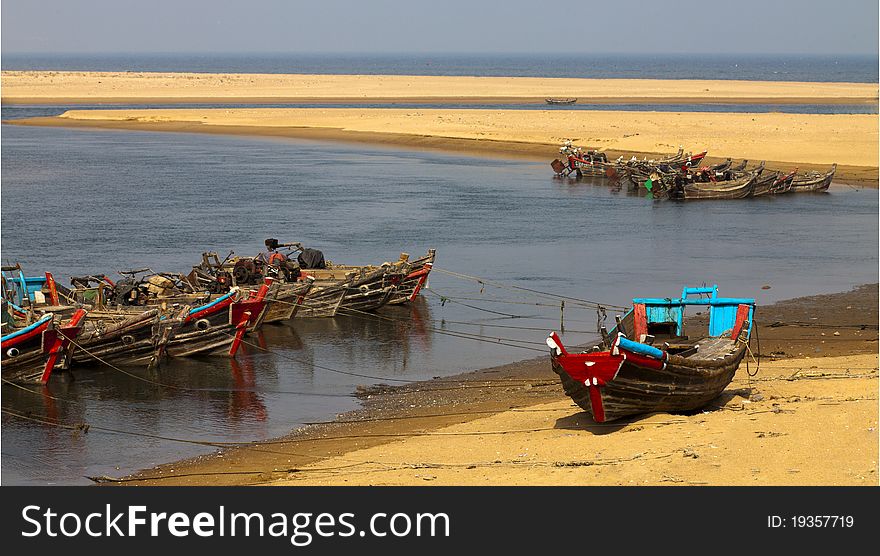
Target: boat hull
<point x="130" y="342"/>
<point x="681" y="385"/>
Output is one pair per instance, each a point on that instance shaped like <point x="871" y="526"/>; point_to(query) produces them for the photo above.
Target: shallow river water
<point x="76" y="201"/>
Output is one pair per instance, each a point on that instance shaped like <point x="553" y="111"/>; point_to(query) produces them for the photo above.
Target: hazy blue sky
<point x="623" y="26"/>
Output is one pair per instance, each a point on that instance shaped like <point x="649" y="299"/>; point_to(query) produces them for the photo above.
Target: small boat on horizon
<point x="560" y="101"/>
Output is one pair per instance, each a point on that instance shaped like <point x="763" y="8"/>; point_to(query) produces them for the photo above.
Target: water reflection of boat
<point x="385" y="339"/>
<point x="244" y="402"/>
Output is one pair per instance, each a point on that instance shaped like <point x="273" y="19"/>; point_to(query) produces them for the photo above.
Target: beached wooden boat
<point x="32" y="353"/>
<point x="813" y="182"/>
<point x="646" y="364"/>
<point x="560" y="101"/>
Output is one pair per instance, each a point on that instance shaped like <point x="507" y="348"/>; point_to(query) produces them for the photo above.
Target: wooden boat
<point x="211" y="328"/>
<point x="813" y="182"/>
<point x="662" y="171"/>
<point x="560" y="101"/>
<point x="284" y="300"/>
<point x="416" y="277"/>
<point x="773" y="183"/>
<point x="646" y="364"/>
<point x="127" y="339"/>
<point x="721" y="166"/>
<point x="31" y="354"/>
<point x="739" y="188"/>
<point x="365" y="288"/>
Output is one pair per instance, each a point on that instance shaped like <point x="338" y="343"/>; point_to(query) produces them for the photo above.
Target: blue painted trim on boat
<point x="26" y="329"/>
<point x="211" y="304"/>
<point x="722" y="310"/>
<point x="641" y="349"/>
<point x="673" y="302"/>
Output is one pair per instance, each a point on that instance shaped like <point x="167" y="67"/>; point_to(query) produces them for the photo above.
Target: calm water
<point x="862" y="69"/>
<point x="76" y="201"/>
<point x="19" y="111"/>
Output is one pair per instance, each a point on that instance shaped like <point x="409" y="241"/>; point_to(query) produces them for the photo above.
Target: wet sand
<point x="809" y="417"/>
<point x="59" y="87"/>
<point x="806" y="141"/>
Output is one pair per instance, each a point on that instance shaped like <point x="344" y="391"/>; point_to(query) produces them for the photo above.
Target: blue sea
<point x="842" y="68"/>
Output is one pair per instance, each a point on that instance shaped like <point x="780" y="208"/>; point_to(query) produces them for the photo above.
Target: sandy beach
<point x="808" y="417"/>
<point x="806" y="141"/>
<point x="148" y="87"/>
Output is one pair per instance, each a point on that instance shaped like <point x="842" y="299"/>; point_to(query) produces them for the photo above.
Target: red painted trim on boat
<point x="211" y="310"/>
<point x="241" y="328"/>
<point x="424" y="278"/>
<point x="53" y="290"/>
<point x="641" y="321"/>
<point x="742" y="314"/>
<point x="62" y="339"/>
<point x="596" y="404"/>
<point x="24" y="337"/>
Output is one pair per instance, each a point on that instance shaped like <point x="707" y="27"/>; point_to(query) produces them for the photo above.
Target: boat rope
<point x="396" y="466"/>
<point x="503" y="301"/>
<point x="86" y="427"/>
<point x="752" y="355"/>
<point x="444" y="299"/>
<point x="503" y="383"/>
<point x="802" y="324"/>
<point x="533" y="328"/>
<point x="454" y="333"/>
<point x="484" y="281"/>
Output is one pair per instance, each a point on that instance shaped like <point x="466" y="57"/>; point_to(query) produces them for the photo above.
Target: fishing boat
<point x="211" y="328"/>
<point x="773" y="183"/>
<point x="647" y="364"/>
<point x="284" y="300"/>
<point x="739" y="188"/>
<point x="364" y="288"/>
<point x="32" y="353"/>
<point x="813" y="182"/>
<point x="560" y="101"/>
<point x="120" y="339"/>
<point x="416" y="277"/>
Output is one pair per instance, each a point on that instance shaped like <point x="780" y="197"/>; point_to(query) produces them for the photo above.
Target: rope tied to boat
<point x="757" y="360"/>
<point x="484" y="282"/>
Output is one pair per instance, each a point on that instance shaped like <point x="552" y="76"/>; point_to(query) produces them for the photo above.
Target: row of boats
<point x="147" y="317"/>
<point x="683" y="176"/>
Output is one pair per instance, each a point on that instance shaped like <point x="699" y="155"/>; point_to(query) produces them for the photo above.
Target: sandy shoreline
<point x="807" y="141"/>
<point x="94" y="87"/>
<point x="809" y="417"/>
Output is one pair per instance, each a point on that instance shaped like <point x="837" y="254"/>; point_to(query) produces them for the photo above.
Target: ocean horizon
<point x="862" y="68"/>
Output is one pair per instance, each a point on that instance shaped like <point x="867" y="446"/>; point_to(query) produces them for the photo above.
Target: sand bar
<point x="146" y="87"/>
<point x="786" y="139"/>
